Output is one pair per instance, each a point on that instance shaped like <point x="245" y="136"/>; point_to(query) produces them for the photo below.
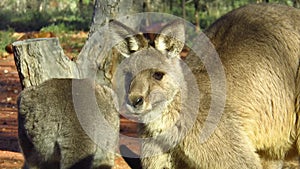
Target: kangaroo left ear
<point x="129" y="41"/>
<point x="171" y="39"/>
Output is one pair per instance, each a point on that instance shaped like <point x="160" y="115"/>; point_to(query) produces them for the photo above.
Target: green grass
<point x="56" y="29"/>
<point x="70" y="40"/>
<point x="72" y="45"/>
<point x="35" y="20"/>
<point x="6" y="38"/>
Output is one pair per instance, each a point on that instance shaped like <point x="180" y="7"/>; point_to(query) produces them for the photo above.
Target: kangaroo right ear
<point x="128" y="41"/>
<point x="171" y="38"/>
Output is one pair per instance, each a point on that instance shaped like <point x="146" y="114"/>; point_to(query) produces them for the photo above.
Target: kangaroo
<point x="259" y="47"/>
<point x="50" y="133"/>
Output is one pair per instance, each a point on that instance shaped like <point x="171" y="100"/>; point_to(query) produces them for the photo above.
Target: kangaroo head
<point x="156" y="75"/>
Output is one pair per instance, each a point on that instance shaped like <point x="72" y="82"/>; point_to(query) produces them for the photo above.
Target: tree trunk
<point x="197" y="9"/>
<point x="183" y="9"/>
<point x="296" y="3"/>
<point x="106" y="10"/>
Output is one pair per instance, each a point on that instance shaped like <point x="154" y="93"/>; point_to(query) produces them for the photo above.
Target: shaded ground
<point x="9" y="89"/>
<point x="10" y="156"/>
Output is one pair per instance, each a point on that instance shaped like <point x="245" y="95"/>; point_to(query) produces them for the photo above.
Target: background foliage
<point x="32" y="15"/>
<point x="65" y="16"/>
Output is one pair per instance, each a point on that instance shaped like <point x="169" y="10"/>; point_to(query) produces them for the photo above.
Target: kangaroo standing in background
<point x="50" y="134"/>
<point x="259" y="47"/>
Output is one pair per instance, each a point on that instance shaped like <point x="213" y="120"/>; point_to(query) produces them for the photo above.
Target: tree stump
<point x="38" y="60"/>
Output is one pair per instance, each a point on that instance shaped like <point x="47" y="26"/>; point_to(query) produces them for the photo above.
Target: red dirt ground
<point x="10" y="156"/>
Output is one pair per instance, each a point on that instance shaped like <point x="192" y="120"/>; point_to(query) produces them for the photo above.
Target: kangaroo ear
<point x="171" y="38"/>
<point x="128" y="41"/>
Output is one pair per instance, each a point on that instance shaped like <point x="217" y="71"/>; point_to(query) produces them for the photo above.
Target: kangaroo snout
<point x="136" y="100"/>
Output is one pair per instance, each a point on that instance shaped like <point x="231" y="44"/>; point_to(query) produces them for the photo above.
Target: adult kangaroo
<point x="259" y="47"/>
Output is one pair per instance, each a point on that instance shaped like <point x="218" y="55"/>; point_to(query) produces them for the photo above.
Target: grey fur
<point x="50" y="134"/>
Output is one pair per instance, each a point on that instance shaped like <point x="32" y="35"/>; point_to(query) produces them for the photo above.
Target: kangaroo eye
<point x="158" y="75"/>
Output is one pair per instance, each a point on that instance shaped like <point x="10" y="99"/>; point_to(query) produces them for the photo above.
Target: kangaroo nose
<point x="137" y="101"/>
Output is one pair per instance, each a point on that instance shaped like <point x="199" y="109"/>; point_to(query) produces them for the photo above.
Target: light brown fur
<point x="259" y="47"/>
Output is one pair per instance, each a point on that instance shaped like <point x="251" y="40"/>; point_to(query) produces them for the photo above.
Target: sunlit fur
<point x="259" y="46"/>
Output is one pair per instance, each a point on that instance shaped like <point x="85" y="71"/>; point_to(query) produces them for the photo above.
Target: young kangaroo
<point x="259" y="47"/>
<point x="51" y="135"/>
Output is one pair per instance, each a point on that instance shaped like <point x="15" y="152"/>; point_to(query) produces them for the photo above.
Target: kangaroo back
<point x="51" y="134"/>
